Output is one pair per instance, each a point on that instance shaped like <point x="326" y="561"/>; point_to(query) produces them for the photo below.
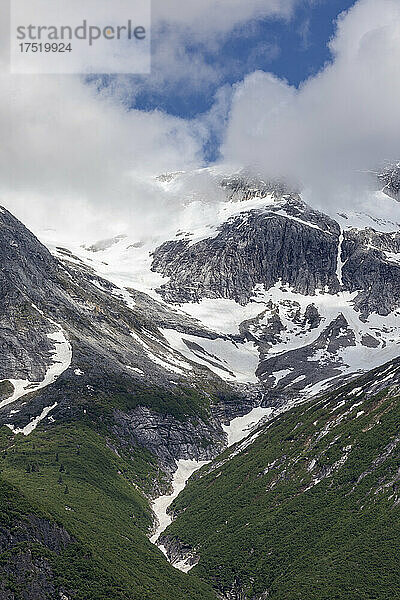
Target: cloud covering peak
<point x="339" y="124"/>
<point x="77" y="155"/>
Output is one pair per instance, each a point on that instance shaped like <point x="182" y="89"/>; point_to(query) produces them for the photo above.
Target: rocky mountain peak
<point x="243" y="186"/>
<point x="390" y="177"/>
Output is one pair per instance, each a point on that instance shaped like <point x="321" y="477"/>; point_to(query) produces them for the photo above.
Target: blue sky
<point x="292" y="49"/>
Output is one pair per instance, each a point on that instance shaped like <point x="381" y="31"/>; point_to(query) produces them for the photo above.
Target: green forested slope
<point x="69" y="475"/>
<point x="311" y="509"/>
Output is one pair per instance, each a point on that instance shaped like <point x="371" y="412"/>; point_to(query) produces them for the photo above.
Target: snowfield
<point x="229" y="360"/>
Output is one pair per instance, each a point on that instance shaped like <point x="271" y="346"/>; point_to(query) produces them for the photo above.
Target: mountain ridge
<point x="126" y="360"/>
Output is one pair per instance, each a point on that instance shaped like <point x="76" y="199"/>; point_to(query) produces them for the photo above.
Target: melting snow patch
<point x="237" y="430"/>
<point x="229" y="360"/>
<point x="34" y="423"/>
<point x="240" y="427"/>
<point x="61" y="358"/>
<point x="281" y="375"/>
<point x="339" y="264"/>
<point x="185" y="469"/>
<point x="136" y="370"/>
<point x="355" y="392"/>
<point x="222" y="315"/>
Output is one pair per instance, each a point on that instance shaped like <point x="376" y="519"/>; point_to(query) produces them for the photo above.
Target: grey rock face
<point x="31" y="575"/>
<point x="390" y="177"/>
<point x="243" y="186"/>
<point x="369" y="270"/>
<point x="35" y="529"/>
<point x="24" y="265"/>
<point x="256" y="248"/>
<point x="178" y="552"/>
<point x="169" y="439"/>
<point x="289" y="242"/>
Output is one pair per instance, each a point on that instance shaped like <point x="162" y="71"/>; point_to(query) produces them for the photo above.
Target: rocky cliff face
<point x="372" y="268"/>
<point x="243" y="186"/>
<point x="26" y="569"/>
<point x="285" y="242"/>
<point x="168" y="439"/>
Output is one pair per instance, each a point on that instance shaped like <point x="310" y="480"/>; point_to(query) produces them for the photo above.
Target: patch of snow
<point x="355" y="391"/>
<point x="183" y="566"/>
<point x="78" y="372"/>
<point x="316" y="388"/>
<point x="312" y="464"/>
<point x="240" y="427"/>
<point x="221" y="314"/>
<point x="34" y="423"/>
<point x="393" y="257"/>
<point x="136" y="370"/>
<point x="282" y="374"/>
<point x="339" y="262"/>
<point x="61" y="358"/>
<point x="236" y="431"/>
<point x="380" y="213"/>
<point x="283" y="213"/>
<point x="185" y="469"/>
<point x="124" y="294"/>
<point x="229" y="360"/>
<point x="298" y="379"/>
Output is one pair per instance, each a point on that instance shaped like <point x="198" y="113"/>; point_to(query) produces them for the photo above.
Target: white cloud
<point x="207" y="17"/>
<point x="63" y="144"/>
<point x="73" y="157"/>
<point x="69" y="155"/>
<point x="338" y="124"/>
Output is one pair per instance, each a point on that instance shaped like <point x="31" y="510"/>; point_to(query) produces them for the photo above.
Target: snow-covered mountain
<point x="250" y="294"/>
<point x="293" y="299"/>
<point x="169" y="346"/>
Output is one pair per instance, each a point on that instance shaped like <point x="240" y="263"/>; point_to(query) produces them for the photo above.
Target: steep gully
<point x="236" y="431"/>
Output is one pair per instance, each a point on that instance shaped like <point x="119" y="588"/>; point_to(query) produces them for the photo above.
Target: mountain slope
<point x="128" y="363"/>
<point x="311" y="299"/>
<point x="86" y="382"/>
<point x="75" y="522"/>
<point x="64" y="327"/>
<point x="308" y="506"/>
